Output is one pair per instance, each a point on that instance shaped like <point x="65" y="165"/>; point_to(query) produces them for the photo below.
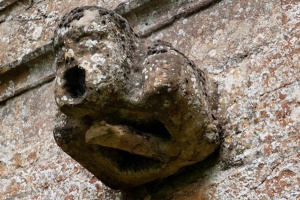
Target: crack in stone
<point x="266" y="177"/>
<point x="280" y="87"/>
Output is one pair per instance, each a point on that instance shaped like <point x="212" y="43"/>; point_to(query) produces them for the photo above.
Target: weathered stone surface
<point x="252" y="49"/>
<point x="6" y="3"/>
<point x="28" y="25"/>
<point x="135" y="111"/>
<point x="27" y="76"/>
<point x="31" y="164"/>
<point x="159" y="13"/>
<point x="133" y="11"/>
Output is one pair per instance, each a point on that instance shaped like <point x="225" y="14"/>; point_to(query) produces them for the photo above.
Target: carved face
<point x="131" y="115"/>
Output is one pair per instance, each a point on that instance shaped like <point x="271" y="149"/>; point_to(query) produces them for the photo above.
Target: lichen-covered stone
<point x="28" y="25"/>
<point x="31" y="164"/>
<point x="135" y="111"/>
<point x="251" y="48"/>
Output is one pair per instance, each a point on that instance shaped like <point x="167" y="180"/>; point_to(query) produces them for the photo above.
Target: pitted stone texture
<point x="252" y="50"/>
<point x="31" y="164"/>
<point x="28" y="25"/>
<point x="272" y="173"/>
<point x="134" y="111"/>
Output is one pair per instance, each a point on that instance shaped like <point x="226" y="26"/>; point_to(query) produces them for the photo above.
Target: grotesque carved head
<point x="132" y="111"/>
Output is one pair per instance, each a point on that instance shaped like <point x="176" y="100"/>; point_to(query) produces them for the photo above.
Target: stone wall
<point x="250" y="48"/>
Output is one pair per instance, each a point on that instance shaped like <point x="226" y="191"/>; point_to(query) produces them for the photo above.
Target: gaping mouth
<point x="151" y="128"/>
<point x="128" y="162"/>
<point x="131" y="146"/>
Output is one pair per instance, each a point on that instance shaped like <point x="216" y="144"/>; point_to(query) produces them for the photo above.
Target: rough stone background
<point x="29" y="24"/>
<point x="251" y="48"/>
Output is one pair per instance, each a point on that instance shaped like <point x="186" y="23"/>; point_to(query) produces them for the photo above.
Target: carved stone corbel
<point x="132" y="111"/>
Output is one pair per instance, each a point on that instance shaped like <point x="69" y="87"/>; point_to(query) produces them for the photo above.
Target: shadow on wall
<point x="188" y="179"/>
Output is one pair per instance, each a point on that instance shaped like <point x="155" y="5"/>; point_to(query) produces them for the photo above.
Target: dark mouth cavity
<point x="75" y="82"/>
<point x="127" y="162"/>
<point x="153" y="127"/>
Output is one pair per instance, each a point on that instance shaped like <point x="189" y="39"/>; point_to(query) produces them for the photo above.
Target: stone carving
<point x="132" y="111"/>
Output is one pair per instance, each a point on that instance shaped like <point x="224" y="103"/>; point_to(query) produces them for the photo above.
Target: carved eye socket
<point x="75" y="82"/>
